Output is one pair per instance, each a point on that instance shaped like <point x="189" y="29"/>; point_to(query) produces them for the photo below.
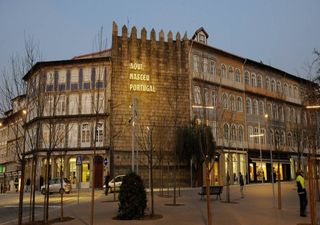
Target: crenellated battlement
<point x="130" y="45"/>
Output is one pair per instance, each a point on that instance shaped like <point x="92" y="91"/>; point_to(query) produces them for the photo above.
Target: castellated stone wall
<point x="155" y="73"/>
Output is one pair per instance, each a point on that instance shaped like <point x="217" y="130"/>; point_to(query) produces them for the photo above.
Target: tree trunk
<point x="279" y="188"/>
<point x="61" y="193"/>
<point x="34" y="176"/>
<point x="208" y="196"/>
<point x="21" y="191"/>
<point x="47" y="190"/>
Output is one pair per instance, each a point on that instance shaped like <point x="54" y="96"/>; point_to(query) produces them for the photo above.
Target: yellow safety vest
<point x="301" y="180"/>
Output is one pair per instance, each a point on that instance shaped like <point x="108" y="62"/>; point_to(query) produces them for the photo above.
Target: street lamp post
<point x="259" y="135"/>
<point x="266" y="116"/>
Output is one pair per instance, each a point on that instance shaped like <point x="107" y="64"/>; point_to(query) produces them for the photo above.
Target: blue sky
<point x="281" y="33"/>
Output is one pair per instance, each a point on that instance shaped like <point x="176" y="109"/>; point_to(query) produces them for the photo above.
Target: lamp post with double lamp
<point x="312" y="174"/>
<point x="260" y="148"/>
<point x="266" y="116"/>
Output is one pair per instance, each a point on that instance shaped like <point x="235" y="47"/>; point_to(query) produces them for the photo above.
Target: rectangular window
<point x="48" y="106"/>
<point x="59" y="135"/>
<point x="86" y="79"/>
<point x="197" y="95"/>
<point x="99" y="134"/>
<point x="212" y="67"/>
<point x="45" y="135"/>
<point x="50" y="78"/>
<point x="86" y="103"/>
<point x="73" y="135"/>
<point x="196" y="63"/>
<point x="73" y="104"/>
<point x="61" y="106"/>
<point x="205" y="65"/>
<point x="62" y="77"/>
<point x="99" y="102"/>
<point x="85" y="135"/>
<point x="74" y="76"/>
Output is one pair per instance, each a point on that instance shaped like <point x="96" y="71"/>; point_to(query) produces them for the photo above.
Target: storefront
<point x="235" y="163"/>
<point x="261" y="169"/>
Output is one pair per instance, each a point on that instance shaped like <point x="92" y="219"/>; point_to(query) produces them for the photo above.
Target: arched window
<point x="214" y="98"/>
<point x="197" y="95"/>
<point x="283" y="138"/>
<point x="223" y="71"/>
<point x="230" y="73"/>
<point x="259" y="81"/>
<point x="196" y="63"/>
<point x="225" y="101"/>
<point x="263" y="137"/>
<point x="273" y="85"/>
<point x="269" y="110"/>
<point x="239" y="104"/>
<point x="272" y="137"/>
<point x="206" y="97"/>
<point x="293" y="115"/>
<point x="268" y="83"/>
<point x="289" y="140"/>
<point x="288" y="114"/>
<point x="232" y="106"/>
<point x="281" y="113"/>
<point x="237" y="75"/>
<point x="212" y="67"/>
<point x="290" y="90"/>
<point x="233" y="133"/>
<point x="246" y="78"/>
<point x="278" y="87"/>
<point x="240" y="134"/>
<point x="285" y="87"/>
<point x="255" y="107"/>
<point x="276" y="111"/>
<point x="250" y="133"/>
<point x="248" y="106"/>
<point x="296" y="92"/>
<point x="225" y="131"/>
<point x="261" y="108"/>
<point x="298" y="117"/>
<point x="253" y="80"/>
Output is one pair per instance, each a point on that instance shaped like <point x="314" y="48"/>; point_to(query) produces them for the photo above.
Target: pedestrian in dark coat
<point x="241" y="182"/>
<point x="28" y="185"/>
<point x="16" y="183"/>
<point x="106" y="183"/>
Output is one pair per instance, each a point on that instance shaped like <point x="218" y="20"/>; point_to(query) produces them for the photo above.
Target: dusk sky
<point x="281" y="33"/>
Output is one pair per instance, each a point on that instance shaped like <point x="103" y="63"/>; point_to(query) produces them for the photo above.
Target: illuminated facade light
<point x="202" y="107"/>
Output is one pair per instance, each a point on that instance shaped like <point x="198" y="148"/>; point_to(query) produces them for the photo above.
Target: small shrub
<point x="132" y="198"/>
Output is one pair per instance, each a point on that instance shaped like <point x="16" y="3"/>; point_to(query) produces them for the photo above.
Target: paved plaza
<point x="255" y="208"/>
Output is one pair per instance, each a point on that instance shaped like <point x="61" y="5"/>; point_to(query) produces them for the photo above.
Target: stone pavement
<point x="255" y="208"/>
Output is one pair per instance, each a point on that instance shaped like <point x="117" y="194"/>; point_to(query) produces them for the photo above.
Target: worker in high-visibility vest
<point x="302" y="193"/>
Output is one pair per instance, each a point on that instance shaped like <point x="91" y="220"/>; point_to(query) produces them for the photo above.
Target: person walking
<point x="302" y="193"/>
<point x="241" y="182"/>
<point x="16" y="183"/>
<point x="106" y="183"/>
<point x="28" y="185"/>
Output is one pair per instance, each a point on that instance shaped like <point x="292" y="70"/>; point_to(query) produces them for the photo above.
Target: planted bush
<point x="132" y="198"/>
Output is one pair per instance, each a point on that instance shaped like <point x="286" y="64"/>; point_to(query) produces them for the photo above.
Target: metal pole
<point x="271" y="160"/>
<point x="78" y="183"/>
<point x="260" y="150"/>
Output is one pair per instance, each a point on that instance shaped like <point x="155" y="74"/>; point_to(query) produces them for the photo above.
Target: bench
<point x="214" y="190"/>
